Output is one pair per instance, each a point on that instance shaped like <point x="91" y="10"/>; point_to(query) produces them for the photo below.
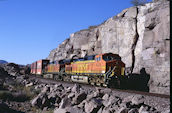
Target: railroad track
<point x="48" y="80"/>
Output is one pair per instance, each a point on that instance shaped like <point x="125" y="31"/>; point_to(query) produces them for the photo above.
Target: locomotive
<point x="103" y="70"/>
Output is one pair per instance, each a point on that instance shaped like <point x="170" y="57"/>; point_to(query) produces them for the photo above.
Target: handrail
<point x="108" y="73"/>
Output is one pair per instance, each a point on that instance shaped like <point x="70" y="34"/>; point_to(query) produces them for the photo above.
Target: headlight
<point x="103" y="71"/>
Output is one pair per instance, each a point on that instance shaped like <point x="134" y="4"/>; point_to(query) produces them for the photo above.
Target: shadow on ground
<point x="137" y="81"/>
<point x="5" y="109"/>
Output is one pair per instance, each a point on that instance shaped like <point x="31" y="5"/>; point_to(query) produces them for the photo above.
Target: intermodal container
<point x="40" y="67"/>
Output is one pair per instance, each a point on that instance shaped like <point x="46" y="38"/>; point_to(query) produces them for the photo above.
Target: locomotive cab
<point x="110" y="67"/>
<point x="107" y="57"/>
<point x="114" y="63"/>
<point x="109" y="62"/>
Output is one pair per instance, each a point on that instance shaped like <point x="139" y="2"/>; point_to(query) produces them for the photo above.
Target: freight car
<point x="37" y="68"/>
<point x="103" y="69"/>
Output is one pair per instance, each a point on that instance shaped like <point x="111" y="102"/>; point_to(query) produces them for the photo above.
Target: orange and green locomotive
<point x="104" y="69"/>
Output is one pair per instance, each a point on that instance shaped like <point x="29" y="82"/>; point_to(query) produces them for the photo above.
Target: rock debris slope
<point x="140" y="35"/>
<point x="78" y="99"/>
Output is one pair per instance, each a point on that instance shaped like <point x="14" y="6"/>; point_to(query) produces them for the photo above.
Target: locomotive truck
<point x="103" y="69"/>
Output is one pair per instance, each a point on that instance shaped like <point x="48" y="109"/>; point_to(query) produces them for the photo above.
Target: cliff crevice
<point x="136" y="37"/>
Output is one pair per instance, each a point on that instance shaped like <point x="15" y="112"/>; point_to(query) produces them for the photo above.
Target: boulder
<point x="110" y="101"/>
<point x="71" y="95"/>
<point x="37" y="101"/>
<point x="131" y="101"/>
<point x="106" y="110"/>
<point x="54" y="98"/>
<point x="106" y="97"/>
<point x="123" y="110"/>
<point x="74" y="110"/>
<point x="60" y="110"/>
<point x="167" y="111"/>
<point x="68" y="110"/>
<point x="45" y="89"/>
<point x="143" y="110"/>
<point x="133" y="111"/>
<point x="137" y="100"/>
<point x="66" y="102"/>
<point x="100" y="110"/>
<point x="76" y="88"/>
<point x="58" y="86"/>
<point x="79" y="98"/>
<point x="68" y="89"/>
<point x="93" y="105"/>
<point x="41" y="101"/>
<point x="82" y="104"/>
<point x="28" y="85"/>
<point x="45" y="101"/>
<point x="94" y="94"/>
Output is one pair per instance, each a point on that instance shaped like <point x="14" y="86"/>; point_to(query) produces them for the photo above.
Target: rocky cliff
<point x="140" y="35"/>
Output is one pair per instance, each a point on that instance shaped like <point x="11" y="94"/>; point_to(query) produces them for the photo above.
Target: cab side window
<point x="98" y="59"/>
<point x="108" y="58"/>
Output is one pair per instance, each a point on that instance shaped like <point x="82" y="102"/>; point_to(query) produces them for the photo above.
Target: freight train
<point x="103" y="69"/>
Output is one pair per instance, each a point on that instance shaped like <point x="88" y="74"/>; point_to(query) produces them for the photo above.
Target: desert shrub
<point x="11" y="96"/>
<point x="5" y="95"/>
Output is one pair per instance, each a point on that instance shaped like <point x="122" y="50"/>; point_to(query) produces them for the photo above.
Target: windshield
<point x="109" y="58"/>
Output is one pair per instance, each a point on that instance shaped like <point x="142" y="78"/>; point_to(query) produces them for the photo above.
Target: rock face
<point x="140" y="35"/>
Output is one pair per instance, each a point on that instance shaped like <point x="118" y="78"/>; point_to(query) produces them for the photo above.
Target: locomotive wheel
<point x="57" y="77"/>
<point x="101" y="84"/>
<point x="60" y="77"/>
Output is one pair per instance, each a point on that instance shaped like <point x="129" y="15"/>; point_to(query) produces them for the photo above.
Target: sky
<point x="30" y="29"/>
